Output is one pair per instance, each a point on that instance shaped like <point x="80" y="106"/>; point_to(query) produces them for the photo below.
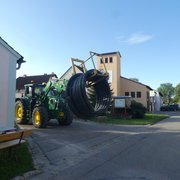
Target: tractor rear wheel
<point x="40" y="117"/>
<point x="20" y="112"/>
<point x="66" y="119"/>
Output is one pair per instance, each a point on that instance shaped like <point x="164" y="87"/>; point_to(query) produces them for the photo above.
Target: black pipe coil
<point x="79" y="99"/>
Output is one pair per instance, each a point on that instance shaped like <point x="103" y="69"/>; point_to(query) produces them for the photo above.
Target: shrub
<point x="137" y="110"/>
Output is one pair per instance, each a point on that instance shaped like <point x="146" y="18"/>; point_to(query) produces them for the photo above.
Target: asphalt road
<point x="90" y="151"/>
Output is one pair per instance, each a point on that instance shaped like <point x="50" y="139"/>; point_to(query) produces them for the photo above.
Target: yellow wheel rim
<point x="37" y="118"/>
<point x="18" y="112"/>
<point x="61" y="114"/>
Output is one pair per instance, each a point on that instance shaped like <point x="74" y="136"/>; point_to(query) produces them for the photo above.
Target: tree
<point x="177" y="93"/>
<point x="134" y="79"/>
<point x="167" y="91"/>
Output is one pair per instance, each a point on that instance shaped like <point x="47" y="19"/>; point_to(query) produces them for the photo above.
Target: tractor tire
<point x="40" y="117"/>
<point x="67" y="119"/>
<point x="20" y="112"/>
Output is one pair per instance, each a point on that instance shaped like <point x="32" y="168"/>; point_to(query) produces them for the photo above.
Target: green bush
<point x="137" y="110"/>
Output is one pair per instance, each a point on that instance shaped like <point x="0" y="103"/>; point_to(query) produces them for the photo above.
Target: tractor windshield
<point x="38" y="90"/>
<point x="33" y="89"/>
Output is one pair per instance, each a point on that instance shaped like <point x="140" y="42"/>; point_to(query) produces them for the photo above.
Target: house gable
<point x="139" y="91"/>
<point x="39" y="79"/>
<point x="6" y="47"/>
<point x="135" y="83"/>
<point x="10" y="60"/>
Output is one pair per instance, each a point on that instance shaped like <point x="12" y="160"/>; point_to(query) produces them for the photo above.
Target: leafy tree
<point x="134" y="79"/>
<point x="167" y="91"/>
<point x="177" y="93"/>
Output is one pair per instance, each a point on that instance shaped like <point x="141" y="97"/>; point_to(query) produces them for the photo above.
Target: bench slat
<point x="10" y="143"/>
<point x="15" y="135"/>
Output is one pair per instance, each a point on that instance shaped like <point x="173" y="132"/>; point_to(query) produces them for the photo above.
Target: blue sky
<point x="47" y="33"/>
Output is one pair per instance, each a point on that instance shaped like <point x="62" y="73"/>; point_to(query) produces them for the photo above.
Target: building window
<point x="111" y="60"/>
<point x="126" y="93"/>
<point x="101" y="60"/>
<point x="106" y="60"/>
<point x="138" y="94"/>
<point x="133" y="94"/>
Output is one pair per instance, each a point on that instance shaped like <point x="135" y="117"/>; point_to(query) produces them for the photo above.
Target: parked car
<point x="171" y="107"/>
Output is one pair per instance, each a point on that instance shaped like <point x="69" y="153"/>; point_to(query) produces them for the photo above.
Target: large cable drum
<point x="88" y="94"/>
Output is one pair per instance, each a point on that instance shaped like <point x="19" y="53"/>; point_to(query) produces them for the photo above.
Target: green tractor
<point x="86" y="94"/>
<point x="41" y="103"/>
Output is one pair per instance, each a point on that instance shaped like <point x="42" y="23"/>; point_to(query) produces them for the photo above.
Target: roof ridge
<point x="137" y="82"/>
<point x="10" y="46"/>
<point x="109" y="53"/>
<point x="37" y="75"/>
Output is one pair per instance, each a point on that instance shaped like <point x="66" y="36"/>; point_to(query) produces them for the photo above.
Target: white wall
<point x="158" y="102"/>
<point x="7" y="87"/>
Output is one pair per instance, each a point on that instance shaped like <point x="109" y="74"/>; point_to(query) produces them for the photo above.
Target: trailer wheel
<point x="39" y="117"/>
<point x="20" y="112"/>
<point x="66" y="119"/>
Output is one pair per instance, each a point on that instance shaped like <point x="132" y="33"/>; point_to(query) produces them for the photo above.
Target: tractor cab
<point x="33" y="89"/>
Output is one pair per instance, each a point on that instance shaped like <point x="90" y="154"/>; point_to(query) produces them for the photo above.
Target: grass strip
<point x="15" y="161"/>
<point x="148" y="119"/>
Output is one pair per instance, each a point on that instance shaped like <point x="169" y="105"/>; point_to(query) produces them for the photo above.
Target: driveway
<point x="91" y="151"/>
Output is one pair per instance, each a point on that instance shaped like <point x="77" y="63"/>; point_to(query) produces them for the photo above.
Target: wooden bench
<point x="13" y="138"/>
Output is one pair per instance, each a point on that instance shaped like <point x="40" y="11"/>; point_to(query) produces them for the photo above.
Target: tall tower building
<point x="112" y="62"/>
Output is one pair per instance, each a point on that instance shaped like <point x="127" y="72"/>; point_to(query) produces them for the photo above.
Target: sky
<point x="47" y="33"/>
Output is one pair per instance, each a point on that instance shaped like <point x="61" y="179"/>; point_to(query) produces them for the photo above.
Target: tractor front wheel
<point x="20" y="112"/>
<point x="40" y="117"/>
<point x="65" y="118"/>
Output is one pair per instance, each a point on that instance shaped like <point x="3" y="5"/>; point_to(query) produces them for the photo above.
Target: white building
<point x="156" y="100"/>
<point x="10" y="60"/>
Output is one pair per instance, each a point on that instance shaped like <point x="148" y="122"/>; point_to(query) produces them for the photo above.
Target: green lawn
<point x="15" y="161"/>
<point x="148" y="119"/>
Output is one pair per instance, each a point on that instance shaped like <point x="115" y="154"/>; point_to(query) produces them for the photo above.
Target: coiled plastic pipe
<point x="88" y="94"/>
